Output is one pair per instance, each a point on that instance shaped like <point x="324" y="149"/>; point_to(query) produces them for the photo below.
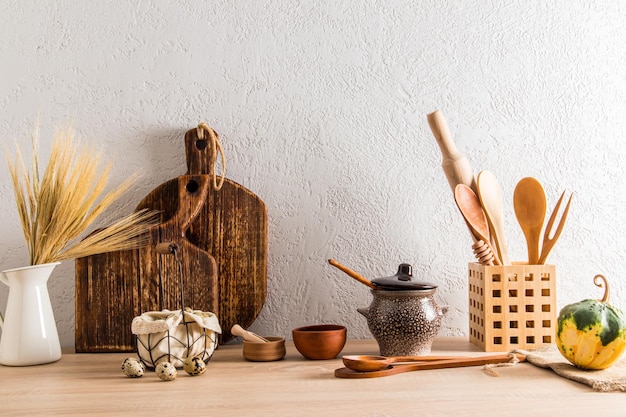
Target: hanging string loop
<point x="216" y="147"/>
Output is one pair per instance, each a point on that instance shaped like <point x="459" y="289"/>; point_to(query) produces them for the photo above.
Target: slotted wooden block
<point x="512" y="307"/>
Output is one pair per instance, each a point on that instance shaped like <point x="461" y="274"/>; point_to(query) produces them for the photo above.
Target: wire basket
<point x="173" y="336"/>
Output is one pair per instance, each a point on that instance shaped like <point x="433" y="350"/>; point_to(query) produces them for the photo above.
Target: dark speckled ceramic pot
<point x="404" y="322"/>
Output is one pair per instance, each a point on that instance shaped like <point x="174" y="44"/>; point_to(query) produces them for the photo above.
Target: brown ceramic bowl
<point x="274" y="350"/>
<point x="323" y="341"/>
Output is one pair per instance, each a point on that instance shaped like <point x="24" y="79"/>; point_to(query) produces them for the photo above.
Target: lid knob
<point x="405" y="272"/>
<point x="403" y="280"/>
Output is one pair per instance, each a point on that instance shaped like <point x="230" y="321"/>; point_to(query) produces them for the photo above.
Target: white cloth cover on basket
<point x="164" y="336"/>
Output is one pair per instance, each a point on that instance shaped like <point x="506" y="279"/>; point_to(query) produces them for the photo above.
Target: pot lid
<point x="403" y="280"/>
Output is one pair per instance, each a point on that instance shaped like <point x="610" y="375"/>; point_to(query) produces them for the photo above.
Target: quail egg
<point x="133" y="368"/>
<point x="194" y="365"/>
<point x="166" y="371"/>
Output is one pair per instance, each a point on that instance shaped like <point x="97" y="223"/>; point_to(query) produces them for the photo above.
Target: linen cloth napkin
<point x="606" y="380"/>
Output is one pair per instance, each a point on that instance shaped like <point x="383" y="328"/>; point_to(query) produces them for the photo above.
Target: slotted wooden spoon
<point x="529" y="202"/>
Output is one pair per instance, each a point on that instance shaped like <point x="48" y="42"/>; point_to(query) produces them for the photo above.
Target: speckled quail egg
<point x="166" y="371"/>
<point x="194" y="366"/>
<point x="133" y="368"/>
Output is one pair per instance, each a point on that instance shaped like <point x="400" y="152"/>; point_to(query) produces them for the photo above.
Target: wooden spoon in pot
<point x="352" y="273"/>
<point x="472" y="211"/>
<point x="529" y="202"/>
<point x="366" y="363"/>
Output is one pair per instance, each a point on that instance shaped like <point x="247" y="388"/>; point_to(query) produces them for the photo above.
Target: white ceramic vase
<point x="29" y="332"/>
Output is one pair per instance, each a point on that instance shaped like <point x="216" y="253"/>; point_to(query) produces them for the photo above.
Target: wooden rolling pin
<point x="458" y="171"/>
<point x="455" y="165"/>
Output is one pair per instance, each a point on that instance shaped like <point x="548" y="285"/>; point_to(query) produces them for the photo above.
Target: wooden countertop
<point x="93" y="385"/>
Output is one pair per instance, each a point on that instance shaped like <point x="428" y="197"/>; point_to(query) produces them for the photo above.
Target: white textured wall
<point x="321" y="106"/>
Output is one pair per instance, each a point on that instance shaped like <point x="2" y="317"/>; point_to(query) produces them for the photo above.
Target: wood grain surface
<point x="113" y="288"/>
<point x="230" y="225"/>
<point x="93" y="385"/>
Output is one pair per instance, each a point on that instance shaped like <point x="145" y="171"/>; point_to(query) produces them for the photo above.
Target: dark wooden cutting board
<point x="230" y="225"/>
<point x="114" y="287"/>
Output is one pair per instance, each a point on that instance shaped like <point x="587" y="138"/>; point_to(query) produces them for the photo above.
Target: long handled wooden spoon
<point x="472" y="211"/>
<point x="490" y="195"/>
<point x="352" y="273"/>
<point x="367" y="363"/>
<point x="529" y="202"/>
<point x="442" y="364"/>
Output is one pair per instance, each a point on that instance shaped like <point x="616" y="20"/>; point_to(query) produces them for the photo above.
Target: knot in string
<point x="216" y="147"/>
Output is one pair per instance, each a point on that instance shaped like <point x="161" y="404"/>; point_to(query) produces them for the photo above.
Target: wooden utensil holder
<point x="512" y="307"/>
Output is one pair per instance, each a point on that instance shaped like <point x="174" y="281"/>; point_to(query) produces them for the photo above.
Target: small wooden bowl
<point x="274" y="350"/>
<point x="323" y="341"/>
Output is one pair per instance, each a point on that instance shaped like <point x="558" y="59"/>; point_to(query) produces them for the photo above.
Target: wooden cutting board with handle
<point x="114" y="287"/>
<point x="231" y="226"/>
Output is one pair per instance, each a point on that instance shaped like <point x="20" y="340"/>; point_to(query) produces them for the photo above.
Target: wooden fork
<point x="548" y="242"/>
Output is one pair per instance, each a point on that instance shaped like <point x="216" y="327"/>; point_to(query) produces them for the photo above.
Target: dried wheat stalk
<point x="58" y="207"/>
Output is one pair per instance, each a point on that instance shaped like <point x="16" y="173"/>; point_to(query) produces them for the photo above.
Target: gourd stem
<point x="601" y="281"/>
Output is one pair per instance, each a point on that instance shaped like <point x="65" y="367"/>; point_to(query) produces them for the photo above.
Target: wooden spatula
<point x="490" y="195"/>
